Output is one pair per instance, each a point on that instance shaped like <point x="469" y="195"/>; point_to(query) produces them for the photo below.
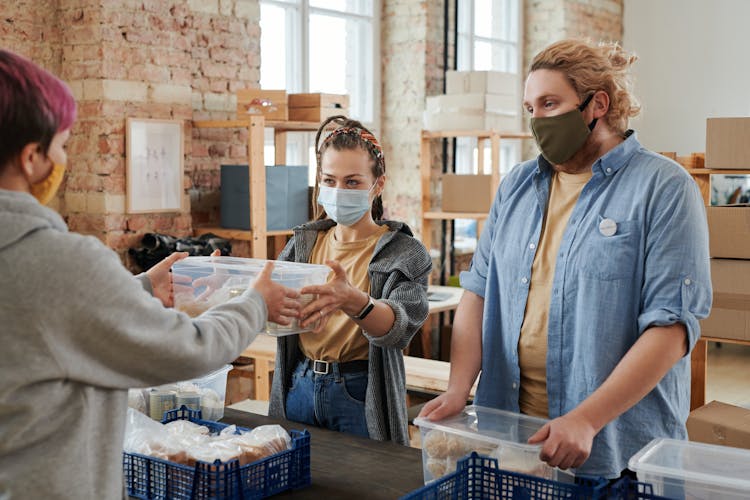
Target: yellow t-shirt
<point x="341" y="340"/>
<point x="532" y="345"/>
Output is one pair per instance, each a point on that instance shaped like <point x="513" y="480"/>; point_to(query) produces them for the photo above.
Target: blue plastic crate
<point x="478" y="477"/>
<point x="627" y="489"/>
<point x="152" y="478"/>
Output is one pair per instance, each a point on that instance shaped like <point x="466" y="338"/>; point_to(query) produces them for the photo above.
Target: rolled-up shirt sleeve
<point x="677" y="276"/>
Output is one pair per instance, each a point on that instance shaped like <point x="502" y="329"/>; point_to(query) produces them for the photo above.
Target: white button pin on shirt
<point x="608" y="227"/>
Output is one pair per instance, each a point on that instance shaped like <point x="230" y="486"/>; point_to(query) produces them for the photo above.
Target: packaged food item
<point x="185" y="442"/>
<point x="495" y="433"/>
<point x="204" y="393"/>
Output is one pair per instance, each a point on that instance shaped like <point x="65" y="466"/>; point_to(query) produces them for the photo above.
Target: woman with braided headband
<point x="347" y="374"/>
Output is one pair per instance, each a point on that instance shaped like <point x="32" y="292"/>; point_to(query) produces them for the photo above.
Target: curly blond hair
<point x="590" y="68"/>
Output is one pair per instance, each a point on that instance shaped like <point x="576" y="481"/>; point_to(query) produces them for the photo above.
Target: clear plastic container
<point x="495" y="433"/>
<point x="684" y="469"/>
<point x="203" y="282"/>
<point x="206" y="393"/>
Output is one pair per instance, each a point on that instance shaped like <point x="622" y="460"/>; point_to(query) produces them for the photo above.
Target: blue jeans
<point x="335" y="400"/>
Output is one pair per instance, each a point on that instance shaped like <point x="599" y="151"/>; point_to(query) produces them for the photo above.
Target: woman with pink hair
<point x="78" y="329"/>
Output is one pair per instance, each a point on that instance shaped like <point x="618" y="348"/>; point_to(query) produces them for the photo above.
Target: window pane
<point x="341" y="60"/>
<point x="273" y="47"/>
<point x="483" y="18"/>
<point x="463" y="63"/>
<point x="495" y="56"/>
<point x="362" y="7"/>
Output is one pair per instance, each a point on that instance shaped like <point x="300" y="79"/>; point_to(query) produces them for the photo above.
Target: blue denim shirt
<point x="606" y="290"/>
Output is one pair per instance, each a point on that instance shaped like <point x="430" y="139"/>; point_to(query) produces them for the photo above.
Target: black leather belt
<point x="320" y="367"/>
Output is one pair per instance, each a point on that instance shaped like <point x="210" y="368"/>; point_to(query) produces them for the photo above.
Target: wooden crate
<point x="272" y="104"/>
<point x="317" y="107"/>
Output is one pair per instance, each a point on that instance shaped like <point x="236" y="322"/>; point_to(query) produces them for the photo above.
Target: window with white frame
<point x="325" y="46"/>
<point x="488" y="39"/>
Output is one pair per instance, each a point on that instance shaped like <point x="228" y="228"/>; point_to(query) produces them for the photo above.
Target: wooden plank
<point x="429" y="375"/>
<point x="257" y="187"/>
<point x="495" y="161"/>
<point x="279" y="147"/>
<point x="439" y="215"/>
<point x="439" y="134"/>
<point x="714" y="171"/>
<point x="698" y="374"/>
<point x="281" y="125"/>
<point x="230" y="234"/>
<point x="221" y="123"/>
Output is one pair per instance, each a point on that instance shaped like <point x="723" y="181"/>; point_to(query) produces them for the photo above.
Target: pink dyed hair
<point x="34" y="105"/>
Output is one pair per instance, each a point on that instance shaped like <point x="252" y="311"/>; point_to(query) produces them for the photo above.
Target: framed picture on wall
<point x="154" y="165"/>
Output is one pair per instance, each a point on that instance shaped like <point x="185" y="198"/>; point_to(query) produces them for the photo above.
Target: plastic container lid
<point x="283" y="271"/>
<point x="714" y="465"/>
<point x="491" y="425"/>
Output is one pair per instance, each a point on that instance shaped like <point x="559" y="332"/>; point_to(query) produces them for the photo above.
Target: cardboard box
<point x="269" y="103"/>
<point x="730" y="312"/>
<point x="240" y="384"/>
<point x="482" y="82"/>
<point x="720" y="423"/>
<point x="467" y="193"/>
<point x="475" y="111"/>
<point x="317" y="107"/>
<point x="729" y="231"/>
<point x="501" y="104"/>
<point x="728" y="143"/>
<point x="470" y="119"/>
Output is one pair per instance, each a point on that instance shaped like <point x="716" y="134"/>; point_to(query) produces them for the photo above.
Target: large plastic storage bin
<point x="151" y="478"/>
<point x="496" y="433"/>
<point x="696" y="471"/>
<point x="203" y="282"/>
<point x="479" y="478"/>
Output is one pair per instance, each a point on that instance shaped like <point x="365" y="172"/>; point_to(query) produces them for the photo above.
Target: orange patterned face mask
<point x="46" y="189"/>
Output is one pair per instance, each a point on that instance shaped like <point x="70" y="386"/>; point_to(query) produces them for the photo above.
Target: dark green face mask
<point x="560" y="137"/>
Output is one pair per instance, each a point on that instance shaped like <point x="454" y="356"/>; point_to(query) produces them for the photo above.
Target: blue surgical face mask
<point x="344" y="206"/>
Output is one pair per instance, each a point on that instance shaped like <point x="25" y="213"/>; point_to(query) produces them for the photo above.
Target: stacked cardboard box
<point x="720" y="423"/>
<point x="476" y="100"/>
<point x="317" y="107"/>
<point x="728" y="143"/>
<point x="467" y="193"/>
<point x="729" y="243"/>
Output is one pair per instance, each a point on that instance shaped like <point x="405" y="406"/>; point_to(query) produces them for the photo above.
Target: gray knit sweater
<point x="77" y="331"/>
<point x="398" y="275"/>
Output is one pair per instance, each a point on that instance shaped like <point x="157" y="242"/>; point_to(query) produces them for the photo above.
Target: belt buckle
<point x="321" y="371"/>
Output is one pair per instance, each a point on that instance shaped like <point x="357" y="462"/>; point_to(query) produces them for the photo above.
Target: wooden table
<point x="263" y="353"/>
<point x="429" y="375"/>
<point x="344" y="466"/>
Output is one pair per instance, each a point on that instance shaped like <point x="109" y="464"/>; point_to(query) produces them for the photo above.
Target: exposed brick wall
<point x="546" y="21"/>
<point x="181" y="60"/>
<point x="185" y="59"/>
<point x="412" y="68"/>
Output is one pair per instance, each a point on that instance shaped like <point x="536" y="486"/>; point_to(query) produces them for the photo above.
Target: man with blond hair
<point x="583" y="298"/>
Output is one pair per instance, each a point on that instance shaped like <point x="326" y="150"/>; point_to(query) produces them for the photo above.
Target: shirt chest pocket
<point x="613" y="257"/>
